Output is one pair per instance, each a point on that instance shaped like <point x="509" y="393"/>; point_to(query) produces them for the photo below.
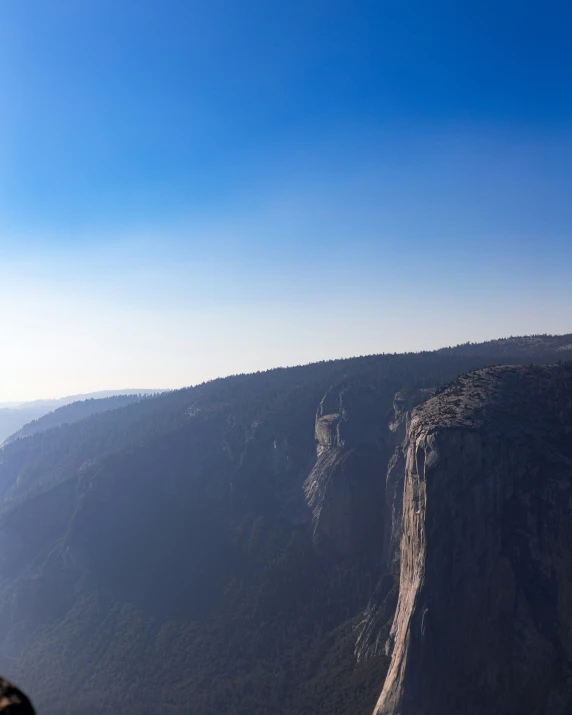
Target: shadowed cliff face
<point x="223" y="547"/>
<point x="484" y="617"/>
<point x="345" y="487"/>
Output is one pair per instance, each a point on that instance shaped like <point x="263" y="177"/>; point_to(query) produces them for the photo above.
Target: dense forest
<point x="14" y="416"/>
<point x="74" y="412"/>
<point x="161" y="556"/>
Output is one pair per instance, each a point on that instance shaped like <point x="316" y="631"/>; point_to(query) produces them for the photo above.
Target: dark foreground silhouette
<point x="13" y="701"/>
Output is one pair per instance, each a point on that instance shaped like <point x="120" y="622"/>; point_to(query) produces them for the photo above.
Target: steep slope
<point x="213" y="549"/>
<point x="14" y="416"/>
<point x="73" y="412"/>
<point x="373" y="630"/>
<point x="345" y="488"/>
<point x="484" y="618"/>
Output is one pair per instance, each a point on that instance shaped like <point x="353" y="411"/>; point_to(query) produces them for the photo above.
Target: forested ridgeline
<point x="161" y="556"/>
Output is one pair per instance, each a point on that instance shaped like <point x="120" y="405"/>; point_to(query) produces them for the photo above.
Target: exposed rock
<point x="345" y="486"/>
<point x="484" y="618"/>
<point x="372" y="634"/>
<point x="403" y="404"/>
<point x="165" y="554"/>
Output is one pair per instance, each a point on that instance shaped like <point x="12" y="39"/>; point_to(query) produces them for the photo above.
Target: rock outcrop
<point x="346" y="484"/>
<point x="483" y="623"/>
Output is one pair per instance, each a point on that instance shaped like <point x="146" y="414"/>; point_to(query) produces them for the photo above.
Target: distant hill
<point x="528" y="345"/>
<point x="52" y="404"/>
<point x="73" y="412"/>
<point x="14" y="415"/>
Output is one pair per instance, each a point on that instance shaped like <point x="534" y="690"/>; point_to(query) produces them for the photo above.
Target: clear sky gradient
<point x="191" y="189"/>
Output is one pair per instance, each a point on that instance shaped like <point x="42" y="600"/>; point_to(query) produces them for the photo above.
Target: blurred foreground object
<point x="13" y="701"/>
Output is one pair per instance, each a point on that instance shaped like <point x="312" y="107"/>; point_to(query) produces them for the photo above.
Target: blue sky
<point x="191" y="189"/>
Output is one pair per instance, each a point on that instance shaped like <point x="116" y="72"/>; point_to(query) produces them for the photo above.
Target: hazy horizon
<point x="102" y="391"/>
<point x="208" y="189"/>
<point x="66" y="399"/>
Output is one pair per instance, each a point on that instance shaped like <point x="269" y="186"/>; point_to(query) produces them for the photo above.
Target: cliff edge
<point x="483" y="622"/>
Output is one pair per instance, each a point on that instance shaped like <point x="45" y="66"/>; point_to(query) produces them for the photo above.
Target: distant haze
<point x="14" y="415"/>
<point x="53" y="403"/>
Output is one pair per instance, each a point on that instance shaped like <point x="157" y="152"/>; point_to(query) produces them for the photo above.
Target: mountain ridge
<point x="233" y="545"/>
<point x="16" y="415"/>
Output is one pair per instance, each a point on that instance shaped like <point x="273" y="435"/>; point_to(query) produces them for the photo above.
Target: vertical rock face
<point x="403" y="404"/>
<point x="372" y="633"/>
<point x="354" y="444"/>
<point x="346" y="486"/>
<point x="483" y="623"/>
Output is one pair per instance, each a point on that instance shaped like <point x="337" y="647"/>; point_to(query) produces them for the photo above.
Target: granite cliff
<point x="345" y="488"/>
<point x="254" y="544"/>
<point x="483" y="622"/>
